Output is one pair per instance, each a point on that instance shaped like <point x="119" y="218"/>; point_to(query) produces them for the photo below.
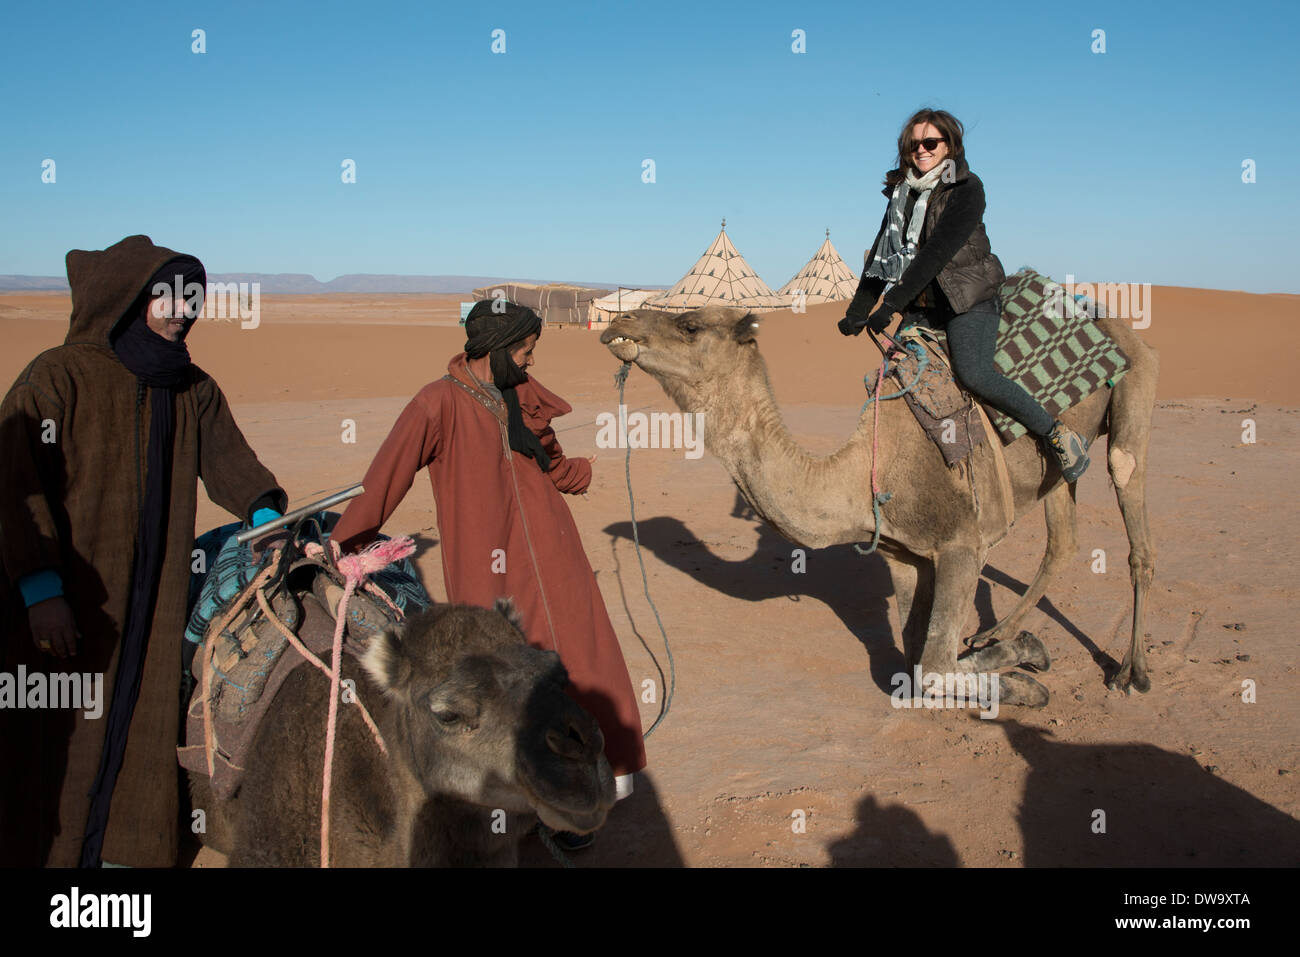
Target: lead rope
<point x="354" y="568"/>
<point x="879" y="498"/>
<point x="544" y="832"/>
<point x="620" y="378"/>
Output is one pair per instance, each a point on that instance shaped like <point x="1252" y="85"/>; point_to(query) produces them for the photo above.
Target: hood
<point x="109" y="285"/>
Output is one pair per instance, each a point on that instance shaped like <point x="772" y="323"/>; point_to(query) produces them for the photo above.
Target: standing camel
<point x="934" y="537"/>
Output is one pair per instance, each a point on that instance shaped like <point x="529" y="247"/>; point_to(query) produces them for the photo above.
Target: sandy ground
<point x="782" y="701"/>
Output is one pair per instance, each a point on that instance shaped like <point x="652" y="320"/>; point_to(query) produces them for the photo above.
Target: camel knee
<point x="1142" y="567"/>
<point x="1122" y="465"/>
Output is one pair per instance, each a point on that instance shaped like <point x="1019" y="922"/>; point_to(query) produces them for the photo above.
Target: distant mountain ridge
<point x="287" y="283"/>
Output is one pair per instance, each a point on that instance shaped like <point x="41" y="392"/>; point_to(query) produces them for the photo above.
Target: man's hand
<point x="53" y="626"/>
<point x="583" y="493"/>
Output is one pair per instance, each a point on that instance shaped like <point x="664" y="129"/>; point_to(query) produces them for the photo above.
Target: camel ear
<point x="745" y="328"/>
<point x="386" y="664"/>
<point x="506" y="608"/>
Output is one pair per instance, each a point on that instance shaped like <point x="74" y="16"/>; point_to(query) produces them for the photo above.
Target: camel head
<point x="687" y="353"/>
<point x="484" y="717"/>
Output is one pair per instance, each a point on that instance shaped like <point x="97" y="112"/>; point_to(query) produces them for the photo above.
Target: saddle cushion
<point x="1050" y="345"/>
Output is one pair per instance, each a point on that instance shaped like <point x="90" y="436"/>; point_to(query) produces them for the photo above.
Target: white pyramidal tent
<point x="720" y="277"/>
<point x="825" y="278"/>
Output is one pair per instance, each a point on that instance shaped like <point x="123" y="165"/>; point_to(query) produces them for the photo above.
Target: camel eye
<point x="689" y="328"/>
<point x="445" y="716"/>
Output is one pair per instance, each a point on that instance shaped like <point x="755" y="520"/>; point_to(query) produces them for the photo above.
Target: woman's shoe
<point x="1070" y="450"/>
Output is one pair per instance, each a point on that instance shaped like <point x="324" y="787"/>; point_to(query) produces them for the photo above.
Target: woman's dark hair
<point x="949" y="128"/>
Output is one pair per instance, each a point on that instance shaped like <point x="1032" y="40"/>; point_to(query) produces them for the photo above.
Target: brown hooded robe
<point x="75" y="442"/>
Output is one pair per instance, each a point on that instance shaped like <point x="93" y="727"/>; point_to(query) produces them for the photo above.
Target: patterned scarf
<point x="895" y="252"/>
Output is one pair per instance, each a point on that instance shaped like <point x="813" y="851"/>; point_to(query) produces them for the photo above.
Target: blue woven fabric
<point x="231" y="566"/>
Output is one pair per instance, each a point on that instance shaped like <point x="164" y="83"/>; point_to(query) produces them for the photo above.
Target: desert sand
<point x="782" y="701"/>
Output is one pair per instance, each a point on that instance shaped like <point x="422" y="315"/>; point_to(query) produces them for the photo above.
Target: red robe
<point x="505" y="531"/>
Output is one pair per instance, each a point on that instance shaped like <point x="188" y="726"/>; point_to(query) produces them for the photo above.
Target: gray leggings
<point x="972" y="342"/>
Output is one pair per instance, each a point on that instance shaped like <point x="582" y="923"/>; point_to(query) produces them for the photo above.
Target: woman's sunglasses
<point x="930" y="142"/>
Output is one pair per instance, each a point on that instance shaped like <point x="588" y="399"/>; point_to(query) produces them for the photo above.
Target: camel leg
<point x="1130" y="434"/>
<point x="913" y="580"/>
<point x="956" y="574"/>
<point x="1062" y="546"/>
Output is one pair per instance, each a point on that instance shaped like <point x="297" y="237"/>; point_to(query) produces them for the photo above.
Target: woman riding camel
<point x="932" y="261"/>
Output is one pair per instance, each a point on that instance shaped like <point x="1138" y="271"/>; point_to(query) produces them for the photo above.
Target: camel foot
<point x="1032" y="651"/>
<point x="1124" y="680"/>
<point x="1021" y="690"/>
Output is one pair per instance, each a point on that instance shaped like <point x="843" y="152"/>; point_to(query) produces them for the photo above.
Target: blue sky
<point x="1120" y="166"/>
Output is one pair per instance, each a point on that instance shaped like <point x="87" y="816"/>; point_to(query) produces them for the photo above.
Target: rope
<point x="354" y="569"/>
<point x="879" y="498"/>
<point x="210" y="641"/>
<point x="306" y="653"/>
<point x="620" y="379"/>
<point x="336" y="675"/>
<point x="548" y="840"/>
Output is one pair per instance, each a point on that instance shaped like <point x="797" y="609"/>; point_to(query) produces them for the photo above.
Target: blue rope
<point x="880" y="498"/>
<point x="620" y="377"/>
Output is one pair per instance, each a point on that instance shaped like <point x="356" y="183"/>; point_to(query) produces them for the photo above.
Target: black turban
<point x="491" y="328"/>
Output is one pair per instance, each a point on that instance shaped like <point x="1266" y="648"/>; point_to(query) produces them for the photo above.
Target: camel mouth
<point x="622" y="346"/>
<point x="558" y="819"/>
<point x="580" y="803"/>
<point x="624" y="349"/>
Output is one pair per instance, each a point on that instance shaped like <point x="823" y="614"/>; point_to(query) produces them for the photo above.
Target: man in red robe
<point x="497" y="470"/>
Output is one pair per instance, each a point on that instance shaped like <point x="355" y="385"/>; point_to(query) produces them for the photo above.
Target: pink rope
<point x="875" y="429"/>
<point x="311" y="659"/>
<point x="354" y="568"/>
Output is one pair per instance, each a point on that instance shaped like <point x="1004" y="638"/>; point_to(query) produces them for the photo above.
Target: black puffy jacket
<point x="954" y="267"/>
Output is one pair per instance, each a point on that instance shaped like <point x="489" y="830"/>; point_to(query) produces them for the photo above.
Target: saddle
<point x="246" y="653"/>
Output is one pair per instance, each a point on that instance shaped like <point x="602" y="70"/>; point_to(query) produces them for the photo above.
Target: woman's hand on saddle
<point x="879" y="320"/>
<point x="851" y="325"/>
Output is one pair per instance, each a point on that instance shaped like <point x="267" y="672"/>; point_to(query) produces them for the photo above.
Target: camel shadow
<point x="1158" y="809"/>
<point x="855" y="588"/>
<point x="636" y="834"/>
<point x="891" y="836"/>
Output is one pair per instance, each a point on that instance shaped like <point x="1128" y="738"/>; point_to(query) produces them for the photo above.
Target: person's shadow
<point x="1136" y="805"/>
<point x="891" y="836"/>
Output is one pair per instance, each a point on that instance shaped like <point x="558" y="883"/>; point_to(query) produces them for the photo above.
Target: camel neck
<point x="784" y="483"/>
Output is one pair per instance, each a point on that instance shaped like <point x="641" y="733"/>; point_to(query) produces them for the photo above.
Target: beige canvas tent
<point x="603" y="310"/>
<point x="555" y="303"/>
<point x="825" y="278"/>
<point x="721" y="276"/>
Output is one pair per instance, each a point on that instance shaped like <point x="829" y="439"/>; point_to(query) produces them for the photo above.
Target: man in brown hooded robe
<point x="104" y="440"/>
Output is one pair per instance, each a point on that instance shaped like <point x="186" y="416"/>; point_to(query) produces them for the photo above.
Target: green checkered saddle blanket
<point x="1049" y="343"/>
